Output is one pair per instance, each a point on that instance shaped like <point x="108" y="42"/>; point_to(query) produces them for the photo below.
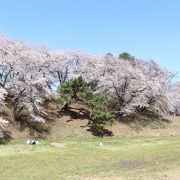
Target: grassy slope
<point x="74" y="124"/>
<point x="67" y="126"/>
<point x="84" y="158"/>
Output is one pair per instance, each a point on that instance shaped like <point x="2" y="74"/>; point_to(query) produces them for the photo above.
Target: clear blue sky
<point x="148" y="29"/>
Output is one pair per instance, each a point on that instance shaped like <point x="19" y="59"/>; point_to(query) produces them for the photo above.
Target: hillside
<point x="75" y="123"/>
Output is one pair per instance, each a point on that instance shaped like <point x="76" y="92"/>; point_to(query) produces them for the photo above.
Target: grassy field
<point x="84" y="158"/>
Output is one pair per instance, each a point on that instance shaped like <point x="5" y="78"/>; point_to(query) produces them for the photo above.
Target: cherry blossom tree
<point x="32" y="86"/>
<point x="24" y="72"/>
<point x="3" y="94"/>
<point x="3" y="122"/>
<point x="118" y="80"/>
<point x="63" y="63"/>
<point x="158" y="81"/>
<point x="174" y="94"/>
<point x="130" y="87"/>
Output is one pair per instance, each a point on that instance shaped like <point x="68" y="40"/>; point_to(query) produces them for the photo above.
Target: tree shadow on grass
<point x="36" y="129"/>
<point x="145" y="120"/>
<point x="99" y="132"/>
<point x="6" y="137"/>
<point x="79" y="113"/>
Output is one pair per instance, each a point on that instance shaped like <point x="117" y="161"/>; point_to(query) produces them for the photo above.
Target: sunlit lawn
<point x="136" y="158"/>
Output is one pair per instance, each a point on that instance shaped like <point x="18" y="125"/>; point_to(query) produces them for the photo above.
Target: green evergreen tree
<point x="78" y="90"/>
<point x="126" y="56"/>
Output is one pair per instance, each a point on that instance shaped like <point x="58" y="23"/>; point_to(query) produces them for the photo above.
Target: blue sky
<point x="147" y="29"/>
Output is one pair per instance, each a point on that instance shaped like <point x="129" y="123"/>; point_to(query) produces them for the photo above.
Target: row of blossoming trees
<point x="29" y="75"/>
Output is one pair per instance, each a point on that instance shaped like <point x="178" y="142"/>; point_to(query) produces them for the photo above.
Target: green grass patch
<point x="84" y="157"/>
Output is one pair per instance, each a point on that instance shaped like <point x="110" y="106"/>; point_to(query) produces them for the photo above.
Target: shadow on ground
<point x="145" y="120"/>
<point x="36" y="129"/>
<point x="80" y="113"/>
<point x="6" y="137"/>
<point x="99" y="132"/>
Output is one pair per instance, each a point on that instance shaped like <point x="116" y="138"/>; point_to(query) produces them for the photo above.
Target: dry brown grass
<point x="75" y="124"/>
